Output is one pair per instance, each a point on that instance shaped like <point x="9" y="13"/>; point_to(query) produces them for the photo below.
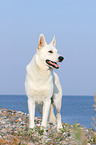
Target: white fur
<point x="42" y="83"/>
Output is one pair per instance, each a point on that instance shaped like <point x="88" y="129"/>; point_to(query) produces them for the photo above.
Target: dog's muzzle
<point x="60" y="58"/>
<point x="52" y="64"/>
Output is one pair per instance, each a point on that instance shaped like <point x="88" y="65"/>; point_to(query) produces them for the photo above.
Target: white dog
<point x="42" y="84"/>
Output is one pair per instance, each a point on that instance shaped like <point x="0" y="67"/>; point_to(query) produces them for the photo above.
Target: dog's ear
<point x="41" y="41"/>
<point x="53" y="42"/>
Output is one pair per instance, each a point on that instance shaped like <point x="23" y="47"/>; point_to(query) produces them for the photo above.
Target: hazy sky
<point x="73" y="22"/>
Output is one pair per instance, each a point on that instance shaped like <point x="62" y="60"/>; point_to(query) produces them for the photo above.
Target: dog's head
<point x="48" y="54"/>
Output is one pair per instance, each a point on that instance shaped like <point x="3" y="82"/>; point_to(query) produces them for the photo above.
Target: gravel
<point x="14" y="131"/>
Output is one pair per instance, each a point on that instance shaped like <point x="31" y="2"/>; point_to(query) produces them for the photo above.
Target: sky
<point x="74" y="25"/>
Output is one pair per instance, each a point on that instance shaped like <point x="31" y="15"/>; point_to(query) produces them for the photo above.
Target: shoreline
<point x="14" y="130"/>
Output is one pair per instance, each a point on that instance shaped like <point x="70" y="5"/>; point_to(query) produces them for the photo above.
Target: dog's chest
<point x="42" y="91"/>
<point x="40" y="87"/>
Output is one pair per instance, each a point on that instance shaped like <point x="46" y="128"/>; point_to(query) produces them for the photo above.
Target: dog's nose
<point x="60" y="58"/>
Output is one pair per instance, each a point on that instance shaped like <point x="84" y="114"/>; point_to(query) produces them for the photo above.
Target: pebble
<point x="14" y="130"/>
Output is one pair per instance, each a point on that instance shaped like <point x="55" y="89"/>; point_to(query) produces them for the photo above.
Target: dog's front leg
<point x="31" y="107"/>
<point x="46" y="107"/>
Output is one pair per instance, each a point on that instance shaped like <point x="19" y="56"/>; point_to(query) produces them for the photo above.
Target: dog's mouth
<point x="52" y="64"/>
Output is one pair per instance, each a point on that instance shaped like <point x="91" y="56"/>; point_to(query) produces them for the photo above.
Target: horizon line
<point x="62" y="95"/>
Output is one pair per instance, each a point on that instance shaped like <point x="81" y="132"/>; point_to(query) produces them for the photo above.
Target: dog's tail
<point x="51" y="114"/>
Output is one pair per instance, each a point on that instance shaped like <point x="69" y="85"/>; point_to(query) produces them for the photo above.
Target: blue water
<point x="75" y="109"/>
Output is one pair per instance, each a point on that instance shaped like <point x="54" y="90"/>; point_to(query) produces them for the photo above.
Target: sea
<point x="75" y="109"/>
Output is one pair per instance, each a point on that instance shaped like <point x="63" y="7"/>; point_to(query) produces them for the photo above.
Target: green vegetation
<point x="94" y="119"/>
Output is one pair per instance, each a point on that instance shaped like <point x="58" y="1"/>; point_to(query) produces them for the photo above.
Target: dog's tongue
<point x="54" y="64"/>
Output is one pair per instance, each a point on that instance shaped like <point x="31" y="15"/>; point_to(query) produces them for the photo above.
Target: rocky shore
<point x="14" y="131"/>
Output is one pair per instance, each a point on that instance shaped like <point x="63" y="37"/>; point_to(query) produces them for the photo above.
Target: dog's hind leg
<point x="57" y="104"/>
<point x="57" y="98"/>
<point x="52" y="117"/>
<point x="58" y="107"/>
<point x="59" y="124"/>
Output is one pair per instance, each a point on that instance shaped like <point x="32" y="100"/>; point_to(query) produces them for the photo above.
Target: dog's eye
<point x="50" y="51"/>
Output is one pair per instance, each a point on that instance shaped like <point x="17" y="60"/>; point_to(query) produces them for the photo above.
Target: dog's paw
<point x="59" y="127"/>
<point x="31" y="126"/>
